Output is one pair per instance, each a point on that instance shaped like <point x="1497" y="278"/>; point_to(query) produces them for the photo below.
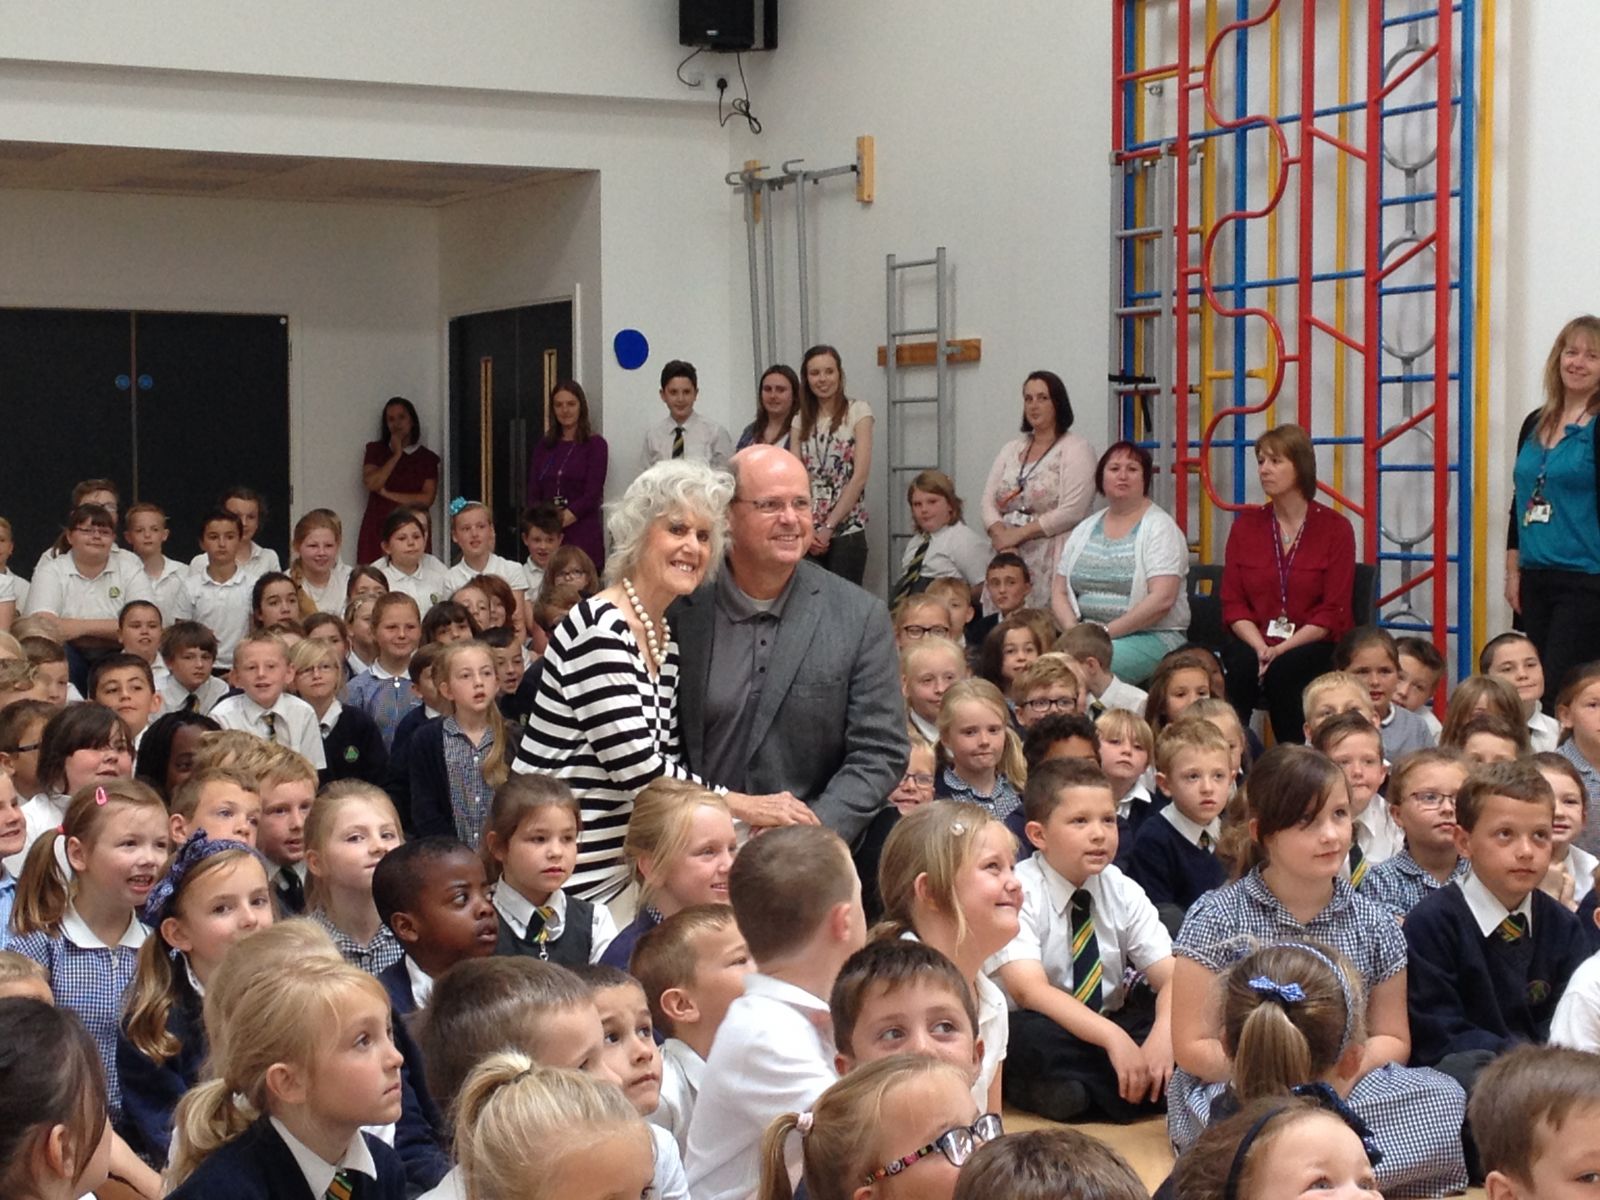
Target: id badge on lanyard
<point x="1281" y="627"/>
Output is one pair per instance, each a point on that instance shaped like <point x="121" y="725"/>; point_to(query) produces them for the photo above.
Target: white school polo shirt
<point x="296" y="723"/>
<point x="222" y="607"/>
<point x="330" y="598"/>
<point x="501" y="568"/>
<point x="262" y="561"/>
<point x="426" y="585"/>
<point x="60" y="588"/>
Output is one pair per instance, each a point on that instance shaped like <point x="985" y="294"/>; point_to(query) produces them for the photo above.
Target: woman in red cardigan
<point x="1287" y="580"/>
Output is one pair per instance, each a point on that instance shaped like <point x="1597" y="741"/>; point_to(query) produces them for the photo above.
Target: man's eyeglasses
<point x="769" y="506"/>
<point x="917" y="631"/>
<point x="1041" y="705"/>
<point x="955" y="1144"/>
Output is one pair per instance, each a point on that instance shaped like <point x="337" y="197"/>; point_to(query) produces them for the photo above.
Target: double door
<point x="174" y="407"/>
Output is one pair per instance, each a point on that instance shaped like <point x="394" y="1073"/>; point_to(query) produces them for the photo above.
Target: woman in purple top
<point x="568" y="469"/>
<point x="397" y="469"/>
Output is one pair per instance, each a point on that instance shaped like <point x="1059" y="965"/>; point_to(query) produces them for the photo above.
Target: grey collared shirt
<point x="744" y="631"/>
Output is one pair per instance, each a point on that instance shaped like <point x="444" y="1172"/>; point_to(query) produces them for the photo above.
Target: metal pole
<point x="772" y="294"/>
<point x="756" y="365"/>
<point x="890" y="352"/>
<point x="941" y="361"/>
<point x="805" y="278"/>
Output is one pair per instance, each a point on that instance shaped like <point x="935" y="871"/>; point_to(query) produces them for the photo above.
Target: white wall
<point x="359" y="284"/>
<point x="991" y="141"/>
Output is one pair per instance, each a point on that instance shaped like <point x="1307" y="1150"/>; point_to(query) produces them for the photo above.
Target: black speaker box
<point x="728" y="24"/>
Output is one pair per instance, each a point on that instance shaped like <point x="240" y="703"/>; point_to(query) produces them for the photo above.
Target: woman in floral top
<point x="834" y="440"/>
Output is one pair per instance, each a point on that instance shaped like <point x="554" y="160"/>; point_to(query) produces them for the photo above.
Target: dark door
<point x="215" y="415"/>
<point x="503" y="365"/>
<point x="66" y="397"/>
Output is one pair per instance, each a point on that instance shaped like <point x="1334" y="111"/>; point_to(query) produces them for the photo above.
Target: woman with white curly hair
<point x="605" y="717"/>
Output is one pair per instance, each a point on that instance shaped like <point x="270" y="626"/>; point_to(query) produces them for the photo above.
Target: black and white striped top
<point x="602" y="724"/>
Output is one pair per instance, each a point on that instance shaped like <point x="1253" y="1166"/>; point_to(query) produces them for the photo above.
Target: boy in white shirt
<point x="684" y="433"/>
<point x="189" y="650"/>
<point x="139" y="634"/>
<point x="261" y="669"/>
<point x="797" y="900"/>
<point x="1090" y="645"/>
<point x="144" y="528"/>
<point x="692" y="966"/>
<point x="1083" y="1044"/>
<point x="125" y="684"/>
<point x="1516" y="660"/>
<point x="1421" y="667"/>
<point x="541" y="534"/>
<point x="218" y="595"/>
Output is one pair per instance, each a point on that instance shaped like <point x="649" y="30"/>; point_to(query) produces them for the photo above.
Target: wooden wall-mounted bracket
<point x="866" y="169"/>
<point x="920" y="354"/>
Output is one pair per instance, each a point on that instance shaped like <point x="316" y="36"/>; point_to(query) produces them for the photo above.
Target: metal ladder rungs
<point x="915" y="400"/>
<point x="1139" y="310"/>
<point x="915" y="262"/>
<point x="900" y="333"/>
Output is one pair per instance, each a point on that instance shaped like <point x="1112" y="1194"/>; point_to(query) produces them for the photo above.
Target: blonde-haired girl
<point x="351" y="826"/>
<point x="680" y="845"/>
<point x="213" y="894"/>
<point x="979" y="752"/>
<point x="591" y="1143"/>
<point x="946" y="879"/>
<point x="865" y="1128"/>
<point x="293" y="1085"/>
<point x="455" y="801"/>
<point x="318" y="573"/>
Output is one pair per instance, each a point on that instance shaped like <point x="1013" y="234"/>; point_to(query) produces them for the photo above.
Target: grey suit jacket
<point x="831" y="725"/>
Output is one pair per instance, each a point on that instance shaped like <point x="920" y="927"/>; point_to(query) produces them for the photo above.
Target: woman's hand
<point x="397" y="444"/>
<point x="1008" y="537"/>
<point x="1514" y="588"/>
<point x="821" y="539"/>
<point x="567" y="518"/>
<point x="777" y="808"/>
<point x="1264" y="657"/>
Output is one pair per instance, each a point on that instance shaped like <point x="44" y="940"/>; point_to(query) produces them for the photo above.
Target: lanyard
<point x="1023" y="472"/>
<point x="1286" y="565"/>
<point x="571" y="446"/>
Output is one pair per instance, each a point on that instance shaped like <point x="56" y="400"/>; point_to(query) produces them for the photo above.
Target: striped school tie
<point x="341" y="1187"/>
<point x="1206" y="841"/>
<point x="1358" y="865"/>
<point x="913" y="571"/>
<point x="192" y="703"/>
<point x="677" y="441"/>
<point x="1087" y="969"/>
<point x="539" y="937"/>
<point x="1514" y="928"/>
<point x="271" y="718"/>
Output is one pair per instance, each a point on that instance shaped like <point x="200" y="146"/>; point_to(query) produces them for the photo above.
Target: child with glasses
<point x="918" y="617"/>
<point x="1052" y="685"/>
<point x="1422" y="804"/>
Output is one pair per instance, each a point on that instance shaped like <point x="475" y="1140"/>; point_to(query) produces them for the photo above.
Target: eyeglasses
<point x="1431" y="800"/>
<point x="917" y="631"/>
<point x="1040" y="705"/>
<point x="769" y="506"/>
<point x="570" y="576"/>
<point x="92" y="530"/>
<point x="955" y="1144"/>
<point x="918" y="779"/>
<point x="321" y="668"/>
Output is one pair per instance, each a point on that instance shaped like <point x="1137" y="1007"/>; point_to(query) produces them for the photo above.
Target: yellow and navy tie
<point x="1206" y="841"/>
<point x="341" y="1188"/>
<point x="541" y="936"/>
<point x="1087" y="969"/>
<point x="913" y="571"/>
<point x="677" y="441"/>
<point x="192" y="703"/>
<point x="1514" y="928"/>
<point x="271" y="718"/>
<point x="1358" y="865"/>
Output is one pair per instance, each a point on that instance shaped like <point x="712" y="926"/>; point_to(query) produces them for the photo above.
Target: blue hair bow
<point x="158" y="904"/>
<point x="458" y="504"/>
<point x="1287" y="993"/>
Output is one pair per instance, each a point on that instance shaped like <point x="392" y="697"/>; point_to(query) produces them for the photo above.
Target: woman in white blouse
<point x="1041" y="484"/>
<point x="1124" y="568"/>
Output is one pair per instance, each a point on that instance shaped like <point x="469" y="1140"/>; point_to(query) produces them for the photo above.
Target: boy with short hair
<point x="1421" y="668"/>
<point x="1126" y="747"/>
<point x="288" y="785"/>
<point x="49" y="658"/>
<point x="125" y="684"/>
<point x="797" y="900"/>
<point x="1083" y="1044"/>
<point x="1005" y="586"/>
<point x="144" y="528"/>
<point x="139" y="632"/>
<point x="1422" y="801"/>
<point x="433" y="894"/>
<point x="218" y="594"/>
<point x="263" y="707"/>
<point x="1090" y="647"/>
<point x="189" y="650"/>
<point x="1491" y="954"/>
<point x="692" y="967"/>
<point x="1050" y="685"/>
<point x="1516" y="660"/>
<point x="1536" y="1120"/>
<point x="957" y="597"/>
<point x="684" y="433"/>
<point x="541" y="531"/>
<point x="517" y="684"/>
<point x="19" y="681"/>
<point x="222" y="801"/>
<point x="1060" y="737"/>
<point x="1174" y="854"/>
<point x="21" y="725"/>
<point x="1332" y="693"/>
<point x="909" y="990"/>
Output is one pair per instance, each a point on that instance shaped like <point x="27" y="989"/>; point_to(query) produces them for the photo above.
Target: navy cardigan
<point x="429" y="780"/>
<point x="151" y="1090"/>
<point x="258" y="1165"/>
<point x="420" y="1136"/>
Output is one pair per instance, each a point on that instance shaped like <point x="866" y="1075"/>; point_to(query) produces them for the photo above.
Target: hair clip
<point x="1287" y="993"/>
<point x="804" y="1122"/>
<point x="458" y="504"/>
<point x="957" y="828"/>
<point x="100" y="796"/>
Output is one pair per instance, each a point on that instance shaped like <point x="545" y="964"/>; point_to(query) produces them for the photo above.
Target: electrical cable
<point x="739" y="107"/>
<point x="685" y="63"/>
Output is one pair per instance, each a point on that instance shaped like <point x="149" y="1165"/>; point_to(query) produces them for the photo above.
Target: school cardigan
<point x="1172" y="869"/>
<point x="258" y="1165"/>
<point x="1529" y="424"/>
<point x="354" y="749"/>
<point x="151" y="1090"/>
<point x="421" y="1138"/>
<point x="1321" y="577"/>
<point x="1471" y="992"/>
<point x="620" y="951"/>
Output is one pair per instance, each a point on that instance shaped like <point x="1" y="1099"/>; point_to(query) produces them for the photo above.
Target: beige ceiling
<point x="50" y="167"/>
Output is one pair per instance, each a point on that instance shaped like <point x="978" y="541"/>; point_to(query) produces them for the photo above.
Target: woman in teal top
<point x="1553" y="539"/>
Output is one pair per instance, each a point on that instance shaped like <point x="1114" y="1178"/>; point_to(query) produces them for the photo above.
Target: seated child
<point x="13" y="837"/>
<point x="1421" y="668"/>
<point x="1010" y="646"/>
<point x="1332" y="693"/>
<point x="264" y="707"/>
<point x="1084" y="1045"/>
<point x="288" y="785"/>
<point x="1422" y="804"/>
<point x="517" y="684"/>
<point x="1537" y="1123"/>
<point x="1126" y="747"/>
<point x="692" y="967"/>
<point x="288" y="1101"/>
<point x="1477" y="695"/>
<point x="189" y="650"/>
<point x="530" y="848"/>
<point x="1369" y="653"/>
<point x="1174" y="856"/>
<point x="19" y="681"/>
<point x="1274" y="1143"/>
<point x="139" y="633"/>
<point x="1223" y="715"/>
<point x="1089" y="645"/>
<point x="125" y="685"/>
<point x="1512" y="657"/>
<point x="472" y="530"/>
<point x="679" y="843"/>
<point x="49" y="661"/>
<point x="1048" y="1164"/>
<point x="351" y="826"/>
<point x="1491" y="954"/>
<point x="898" y="996"/>
<point x="541" y="531"/>
<point x="1292" y="1021"/>
<point x="433" y="895"/>
<point x="980" y="755"/>
<point x="1057" y="737"/>
<point x="223" y="802"/>
<point x="217" y="591"/>
<point x="863" y="1127"/>
<point x="929" y="667"/>
<point x="1006" y="584"/>
<point x="1488" y="738"/>
<point x="1356" y="747"/>
<point x="958" y="598"/>
<point x="1578" y="710"/>
<point x="1050" y="685"/>
<point x="943" y="546"/>
<point x="21" y="728"/>
<point x="916" y="785"/>
<point x="1572" y="868"/>
<point x="352" y="747"/>
<point x="1181" y="678"/>
<point x="797" y="900"/>
<point x="167" y="754"/>
<point x="214" y="893"/>
<point x="384" y="691"/>
<point x="917" y="617"/>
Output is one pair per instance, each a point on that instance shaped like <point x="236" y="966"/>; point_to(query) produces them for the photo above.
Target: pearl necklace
<point x="653" y="644"/>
